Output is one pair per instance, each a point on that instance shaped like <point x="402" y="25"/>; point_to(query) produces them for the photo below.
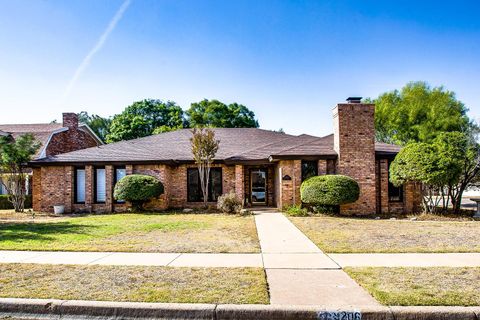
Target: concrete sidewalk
<point x="298" y="272"/>
<point x="230" y="260"/>
<point x="267" y="260"/>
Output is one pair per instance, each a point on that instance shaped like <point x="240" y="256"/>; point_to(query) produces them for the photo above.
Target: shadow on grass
<point x="39" y="231"/>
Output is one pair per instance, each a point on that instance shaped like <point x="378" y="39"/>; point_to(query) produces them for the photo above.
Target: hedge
<point x="329" y="190"/>
<point x="5" y="204"/>
<point x="137" y="189"/>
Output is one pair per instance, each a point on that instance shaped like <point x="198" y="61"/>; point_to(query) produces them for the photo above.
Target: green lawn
<point x="143" y="284"/>
<point x="133" y="233"/>
<point x="420" y="286"/>
<point x="350" y="235"/>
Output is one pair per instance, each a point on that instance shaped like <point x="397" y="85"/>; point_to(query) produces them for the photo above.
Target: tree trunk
<point x="458" y="201"/>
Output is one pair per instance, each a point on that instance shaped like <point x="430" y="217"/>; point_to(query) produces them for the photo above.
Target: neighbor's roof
<point x="42" y="132"/>
<point x="236" y="145"/>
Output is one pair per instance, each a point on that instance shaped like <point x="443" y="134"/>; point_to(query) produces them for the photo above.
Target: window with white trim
<point x="80" y="185"/>
<point x="100" y="185"/>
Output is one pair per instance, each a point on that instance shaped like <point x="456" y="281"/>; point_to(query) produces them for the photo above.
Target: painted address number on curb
<point x="339" y="315"/>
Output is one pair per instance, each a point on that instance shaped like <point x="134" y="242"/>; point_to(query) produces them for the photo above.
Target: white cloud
<point x="98" y="45"/>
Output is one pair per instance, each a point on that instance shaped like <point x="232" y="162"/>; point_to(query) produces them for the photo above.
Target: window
<point x="100" y="186"/>
<point x="194" y="189"/>
<point x="80" y="185"/>
<point x="3" y="190"/>
<point x="395" y="194"/>
<point x="120" y="172"/>
<point x="309" y="169"/>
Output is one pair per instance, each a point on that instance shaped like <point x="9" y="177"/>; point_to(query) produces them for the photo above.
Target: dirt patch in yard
<point x="352" y="235"/>
<point x="420" y="286"/>
<point x="142" y="284"/>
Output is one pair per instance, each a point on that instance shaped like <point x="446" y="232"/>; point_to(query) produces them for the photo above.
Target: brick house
<point x="54" y="138"/>
<point x="262" y="167"/>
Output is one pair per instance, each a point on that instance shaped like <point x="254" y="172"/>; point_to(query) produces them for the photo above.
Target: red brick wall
<point x="289" y="190"/>
<point x="322" y="167"/>
<point x="354" y="141"/>
<point x="411" y="195"/>
<point x="52" y="185"/>
<point x="70" y="140"/>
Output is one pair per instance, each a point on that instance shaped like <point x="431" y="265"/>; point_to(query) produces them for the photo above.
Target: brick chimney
<point x="354" y="141"/>
<point x="70" y="120"/>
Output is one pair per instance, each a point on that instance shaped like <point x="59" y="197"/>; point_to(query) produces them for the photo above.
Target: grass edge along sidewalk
<point x="134" y="232"/>
<point x="134" y="283"/>
<point x="349" y="235"/>
<point x="57" y="309"/>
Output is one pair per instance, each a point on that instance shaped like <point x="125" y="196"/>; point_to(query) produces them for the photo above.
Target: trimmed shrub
<point x="229" y="203"/>
<point x="329" y="190"/>
<point x="138" y="189"/>
<point x="296" y="211"/>
<point x="6" y="205"/>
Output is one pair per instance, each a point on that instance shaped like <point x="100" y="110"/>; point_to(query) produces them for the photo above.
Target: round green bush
<point x="329" y="190"/>
<point x="137" y="189"/>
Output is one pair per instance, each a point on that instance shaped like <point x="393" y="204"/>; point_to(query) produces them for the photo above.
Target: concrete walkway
<point x="231" y="260"/>
<point x="299" y="273"/>
<point x="256" y="260"/>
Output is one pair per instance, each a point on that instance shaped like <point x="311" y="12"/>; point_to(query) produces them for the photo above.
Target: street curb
<point x="75" y="309"/>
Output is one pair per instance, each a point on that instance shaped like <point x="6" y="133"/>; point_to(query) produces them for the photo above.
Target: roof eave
<point x="278" y="157"/>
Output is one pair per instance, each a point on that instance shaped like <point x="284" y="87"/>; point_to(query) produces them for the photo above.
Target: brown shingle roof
<point x="41" y="131"/>
<point x="236" y="144"/>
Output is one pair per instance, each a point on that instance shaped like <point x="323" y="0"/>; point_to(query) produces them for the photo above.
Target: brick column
<point x="413" y="197"/>
<point x="89" y="183"/>
<point x="384" y="186"/>
<point x="68" y="189"/>
<point x="109" y="180"/>
<point x="322" y="167"/>
<point x="239" y="182"/>
<point x="289" y="193"/>
<point x="297" y="181"/>
<point x="354" y="142"/>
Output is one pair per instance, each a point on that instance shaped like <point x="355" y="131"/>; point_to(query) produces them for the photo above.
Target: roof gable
<point x="42" y="132"/>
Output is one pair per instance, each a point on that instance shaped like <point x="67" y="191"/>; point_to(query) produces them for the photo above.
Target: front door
<point x="258" y="186"/>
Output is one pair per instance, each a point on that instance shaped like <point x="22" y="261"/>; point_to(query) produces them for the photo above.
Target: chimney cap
<point x="354" y="99"/>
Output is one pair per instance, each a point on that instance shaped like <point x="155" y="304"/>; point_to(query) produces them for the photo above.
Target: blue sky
<point x="289" y="61"/>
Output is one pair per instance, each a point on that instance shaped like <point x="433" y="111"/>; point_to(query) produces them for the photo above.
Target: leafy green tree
<point x="444" y="168"/>
<point x="99" y="125"/>
<point x="163" y="129"/>
<point x="213" y="113"/>
<point x="459" y="154"/>
<point x="14" y="156"/>
<point x="418" y="113"/>
<point x="142" y="118"/>
<point x="418" y="163"/>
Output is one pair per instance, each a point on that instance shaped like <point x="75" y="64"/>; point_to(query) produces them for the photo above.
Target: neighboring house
<point x="261" y="167"/>
<point x="54" y="138"/>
